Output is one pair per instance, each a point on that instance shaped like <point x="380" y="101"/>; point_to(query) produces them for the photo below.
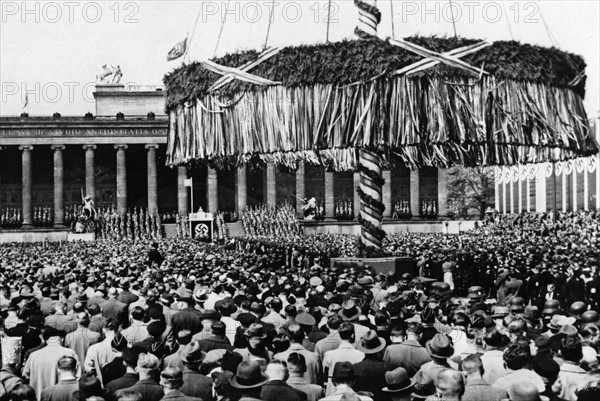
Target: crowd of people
<point x="506" y="311"/>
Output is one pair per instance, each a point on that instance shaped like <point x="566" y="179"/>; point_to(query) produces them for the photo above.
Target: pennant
<point x="177" y="51"/>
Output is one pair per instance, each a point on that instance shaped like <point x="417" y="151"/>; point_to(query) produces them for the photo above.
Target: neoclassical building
<point x="572" y="185"/>
<point x="117" y="156"/>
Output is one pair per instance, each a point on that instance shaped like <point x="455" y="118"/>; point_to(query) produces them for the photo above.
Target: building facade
<point x="117" y="156"/>
<point x="563" y="186"/>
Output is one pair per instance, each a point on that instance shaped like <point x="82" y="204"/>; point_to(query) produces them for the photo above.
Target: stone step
<point x="236" y="229"/>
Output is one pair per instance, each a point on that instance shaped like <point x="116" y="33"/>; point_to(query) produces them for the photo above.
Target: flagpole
<point x="192" y="194"/>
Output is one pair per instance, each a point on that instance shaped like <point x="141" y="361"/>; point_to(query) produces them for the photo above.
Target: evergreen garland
<point x="353" y="61"/>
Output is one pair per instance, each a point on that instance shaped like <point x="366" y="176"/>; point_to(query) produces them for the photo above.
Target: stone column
<point x="121" y="179"/>
<point x="212" y="185"/>
<point x="182" y="191"/>
<point x="329" y="195"/>
<point x="519" y="190"/>
<point x="504" y="208"/>
<point x="540" y="188"/>
<point x="242" y="189"/>
<point x="300" y="190"/>
<point x="574" y="205"/>
<point x="415" y="195"/>
<point x="26" y="186"/>
<point x="512" y="195"/>
<point x="442" y="193"/>
<point x="387" y="193"/>
<point x="152" y="179"/>
<point x="586" y="187"/>
<point x="271" y="185"/>
<point x="497" y="188"/>
<point x="90" y="171"/>
<point x="564" y="187"/>
<point x="59" y="194"/>
<point x="528" y="194"/>
<point x="356" y="183"/>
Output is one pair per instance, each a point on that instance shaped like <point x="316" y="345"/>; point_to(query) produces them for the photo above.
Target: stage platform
<point x="389" y="226"/>
<point x="41" y="235"/>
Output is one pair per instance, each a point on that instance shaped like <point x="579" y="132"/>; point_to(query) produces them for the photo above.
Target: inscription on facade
<point x="76" y="132"/>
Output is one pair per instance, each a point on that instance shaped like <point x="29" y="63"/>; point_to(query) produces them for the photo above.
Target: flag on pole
<point x="187" y="182"/>
<point x="177" y="51"/>
<point x="26" y="101"/>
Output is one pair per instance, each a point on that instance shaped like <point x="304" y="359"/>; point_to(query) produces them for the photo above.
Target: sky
<point x="53" y="50"/>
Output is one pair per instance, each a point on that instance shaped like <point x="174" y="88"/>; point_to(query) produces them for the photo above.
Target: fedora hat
<point x="440" y="346"/>
<point x="343" y="371"/>
<point x="248" y="375"/>
<point x="305" y="319"/>
<point x="397" y="380"/>
<point x="192" y="353"/>
<point x="371" y="343"/>
<point x="500" y="312"/>
<point x="350" y="311"/>
<point x="496" y="339"/>
<point x="256" y="330"/>
<point x="89" y="386"/>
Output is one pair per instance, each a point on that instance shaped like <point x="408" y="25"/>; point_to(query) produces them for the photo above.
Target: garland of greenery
<point x="353" y="61"/>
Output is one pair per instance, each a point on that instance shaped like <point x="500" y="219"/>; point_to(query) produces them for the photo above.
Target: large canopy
<point x="327" y="101"/>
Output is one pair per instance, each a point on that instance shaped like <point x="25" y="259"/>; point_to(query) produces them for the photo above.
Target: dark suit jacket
<point x="116" y="310"/>
<point x="179" y="396"/>
<point x="196" y="385"/>
<point x="214" y="342"/>
<point x="148" y="388"/>
<point x="371" y="376"/>
<point x="278" y="390"/>
<point x="128" y="380"/>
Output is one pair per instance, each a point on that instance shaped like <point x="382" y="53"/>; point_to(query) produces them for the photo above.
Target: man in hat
<point x="147" y="367"/>
<point x="67" y="381"/>
<point x="249" y="380"/>
<point x="440" y="349"/>
<point x="276" y="388"/>
<point x="89" y="388"/>
<point x="296" y="336"/>
<point x="408" y="354"/>
<point x="256" y="349"/>
<point x="476" y="388"/>
<point x="195" y="384"/>
<point x="398" y="385"/>
<point x="345" y="352"/>
<point x="544" y="365"/>
<point x="40" y="367"/>
<point x="171" y="380"/>
<point x="343" y="379"/>
<point x="371" y="370"/>
<point x="186" y="318"/>
<point x="182" y="338"/>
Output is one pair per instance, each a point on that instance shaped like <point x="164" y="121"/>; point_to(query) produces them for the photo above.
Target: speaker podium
<point x="202" y="226"/>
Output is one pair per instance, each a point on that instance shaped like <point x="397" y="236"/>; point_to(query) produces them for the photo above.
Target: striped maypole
<point x="371" y="180"/>
<point x="370" y="193"/>
<point x="369" y="17"/>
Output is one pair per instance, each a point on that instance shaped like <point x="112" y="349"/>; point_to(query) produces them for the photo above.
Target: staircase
<point x="236" y="229"/>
